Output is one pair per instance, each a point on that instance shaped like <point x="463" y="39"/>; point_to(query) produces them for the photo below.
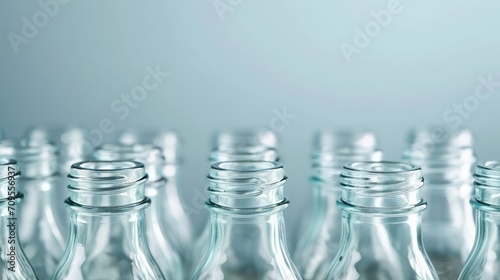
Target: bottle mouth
<point x="381" y="185"/>
<point x="9" y="174"/>
<point x="35" y="159"/>
<point x="107" y="183"/>
<point x="487" y="183"/>
<point x="241" y="153"/>
<point x="148" y="154"/>
<point x="246" y="184"/>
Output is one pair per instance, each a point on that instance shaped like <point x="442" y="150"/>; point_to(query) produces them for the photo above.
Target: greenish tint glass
<point x="15" y="265"/>
<point x="43" y="225"/>
<point x="247" y="233"/>
<point x="446" y="158"/>
<point x="157" y="227"/>
<point x="483" y="262"/>
<point x="180" y="230"/>
<point x="231" y="153"/>
<point x="381" y="215"/>
<point x="320" y="240"/>
<point x="108" y="238"/>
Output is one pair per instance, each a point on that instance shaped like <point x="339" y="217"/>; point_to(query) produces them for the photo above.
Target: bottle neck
<point x="487" y="228"/>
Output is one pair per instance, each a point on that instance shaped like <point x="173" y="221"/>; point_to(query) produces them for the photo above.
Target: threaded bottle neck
<point x="249" y="137"/>
<point x="246" y="185"/>
<point x="333" y="149"/>
<point x="487" y="183"/>
<point x="9" y="174"/>
<point x="381" y="187"/>
<point x="107" y="185"/>
<point x="35" y="159"/>
<point x="242" y="153"/>
<point x="149" y="155"/>
<point x="445" y="155"/>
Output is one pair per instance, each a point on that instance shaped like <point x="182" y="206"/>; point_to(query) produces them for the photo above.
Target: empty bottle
<point x="483" y="262"/>
<point x="446" y="158"/>
<point x="247" y="234"/>
<point x="319" y="243"/>
<point x="381" y="214"/>
<point x="181" y="234"/>
<point x="231" y="153"/>
<point x="107" y="234"/>
<point x="42" y="227"/>
<point x="15" y="264"/>
<point x="157" y="227"/>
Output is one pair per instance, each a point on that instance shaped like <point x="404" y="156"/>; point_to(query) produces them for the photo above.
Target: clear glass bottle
<point x="319" y="243"/>
<point x="73" y="147"/>
<point x="181" y="233"/>
<point x="247" y="234"/>
<point x="231" y="153"/>
<point x="108" y="234"/>
<point x="483" y="262"/>
<point x="157" y="226"/>
<point x="15" y="264"/>
<point x="381" y="214"/>
<point x="42" y="227"/>
<point x="446" y="158"/>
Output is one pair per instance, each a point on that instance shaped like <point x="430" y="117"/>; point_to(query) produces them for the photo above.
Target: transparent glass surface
<point x="157" y="227"/>
<point x="381" y="214"/>
<point x="42" y="225"/>
<point x="15" y="264"/>
<point x="180" y="230"/>
<point x="320" y="232"/>
<point x="247" y="232"/>
<point x="108" y="238"/>
<point x="483" y="262"/>
<point x="446" y="158"/>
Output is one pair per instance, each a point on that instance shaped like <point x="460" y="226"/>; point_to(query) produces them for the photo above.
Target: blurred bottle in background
<point x="446" y="157"/>
<point x="15" y="264"/>
<point x="42" y="227"/>
<point x="245" y="137"/>
<point x="381" y="215"/>
<point x="483" y="262"/>
<point x="321" y="229"/>
<point x="180" y="230"/>
<point x="247" y="233"/>
<point x="158" y="229"/>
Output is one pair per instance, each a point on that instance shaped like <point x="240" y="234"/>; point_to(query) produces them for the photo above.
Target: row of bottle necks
<point x="127" y="222"/>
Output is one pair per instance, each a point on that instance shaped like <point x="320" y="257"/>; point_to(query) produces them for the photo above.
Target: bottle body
<point x="15" y="265"/>
<point x="247" y="248"/>
<point x="107" y="247"/>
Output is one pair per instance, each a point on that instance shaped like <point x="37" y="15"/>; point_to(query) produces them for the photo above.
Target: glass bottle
<point x="446" y="158"/>
<point x="157" y="226"/>
<point x="15" y="264"/>
<point x="483" y="262"/>
<point x="381" y="214"/>
<point x="107" y="234"/>
<point x="73" y="147"/>
<point x="319" y="243"/>
<point x="231" y="153"/>
<point x="42" y="228"/>
<point x="180" y="231"/>
<point x="247" y="233"/>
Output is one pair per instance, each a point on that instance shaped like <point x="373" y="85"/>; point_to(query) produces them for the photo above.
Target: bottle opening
<point x="107" y="183"/>
<point x="240" y="153"/>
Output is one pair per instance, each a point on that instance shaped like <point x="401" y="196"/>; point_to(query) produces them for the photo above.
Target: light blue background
<point x="263" y="56"/>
